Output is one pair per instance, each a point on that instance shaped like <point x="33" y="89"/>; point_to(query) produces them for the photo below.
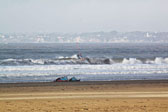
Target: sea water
<point x="98" y="62"/>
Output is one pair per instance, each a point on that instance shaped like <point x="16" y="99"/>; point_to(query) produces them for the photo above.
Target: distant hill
<point x="90" y="37"/>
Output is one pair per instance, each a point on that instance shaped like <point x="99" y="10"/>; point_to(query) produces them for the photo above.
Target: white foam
<point x="74" y="56"/>
<point x="74" y="60"/>
<point x="38" y="61"/>
<point x="61" y="57"/>
<point x="131" y="61"/>
<point x="166" y="60"/>
<point x="114" y="69"/>
<point x="158" y="60"/>
<point x="112" y="61"/>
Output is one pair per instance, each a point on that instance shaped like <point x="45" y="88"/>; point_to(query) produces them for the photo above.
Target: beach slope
<point x="111" y="96"/>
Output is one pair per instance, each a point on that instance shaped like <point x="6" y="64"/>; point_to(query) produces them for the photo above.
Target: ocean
<point x="99" y="62"/>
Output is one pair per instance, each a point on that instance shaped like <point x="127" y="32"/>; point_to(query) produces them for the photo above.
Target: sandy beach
<point x="109" y="96"/>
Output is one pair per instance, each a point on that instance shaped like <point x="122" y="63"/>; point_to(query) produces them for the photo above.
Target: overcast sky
<point x="83" y="15"/>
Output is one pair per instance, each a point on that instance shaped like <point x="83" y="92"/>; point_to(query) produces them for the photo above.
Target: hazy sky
<point x="83" y="15"/>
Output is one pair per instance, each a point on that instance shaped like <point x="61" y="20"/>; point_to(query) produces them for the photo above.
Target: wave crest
<point x="76" y="60"/>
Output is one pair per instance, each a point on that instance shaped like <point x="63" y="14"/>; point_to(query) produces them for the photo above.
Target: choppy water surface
<point x="45" y="62"/>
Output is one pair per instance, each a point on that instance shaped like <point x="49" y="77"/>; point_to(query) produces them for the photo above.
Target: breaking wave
<point x="79" y="60"/>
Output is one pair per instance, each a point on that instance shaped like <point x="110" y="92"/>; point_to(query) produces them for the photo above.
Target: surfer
<point x="79" y="55"/>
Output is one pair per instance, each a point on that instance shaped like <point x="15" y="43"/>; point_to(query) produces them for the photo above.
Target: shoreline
<point x="17" y="84"/>
<point x="85" y="86"/>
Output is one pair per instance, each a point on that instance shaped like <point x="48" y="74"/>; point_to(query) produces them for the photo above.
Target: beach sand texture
<point x="116" y="96"/>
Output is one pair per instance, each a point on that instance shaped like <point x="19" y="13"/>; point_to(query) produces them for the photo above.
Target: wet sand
<point x="111" y="96"/>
